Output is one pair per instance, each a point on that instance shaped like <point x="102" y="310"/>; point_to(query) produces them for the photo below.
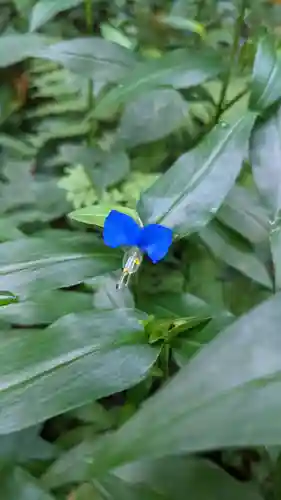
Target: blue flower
<point x="121" y="230"/>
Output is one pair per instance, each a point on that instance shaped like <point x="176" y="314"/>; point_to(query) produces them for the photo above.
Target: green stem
<point x="233" y="55"/>
<point x="166" y="359"/>
<point x="89" y="25"/>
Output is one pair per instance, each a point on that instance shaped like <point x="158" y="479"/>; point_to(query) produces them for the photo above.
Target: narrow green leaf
<point x="235" y="254"/>
<point x="92" y="57"/>
<point x="47" y="307"/>
<point x="188" y="195"/>
<point x="33" y="265"/>
<point x="80" y="358"/>
<point x="44" y="10"/>
<point x="183" y="24"/>
<point x="266" y="76"/>
<point x="16" y="48"/>
<point x="179" y="69"/>
<point x="244" y="212"/>
<point x="7" y="298"/>
<point x="96" y="214"/>
<point x="265" y="158"/>
<point x="152" y="116"/>
<point x="202" y="410"/>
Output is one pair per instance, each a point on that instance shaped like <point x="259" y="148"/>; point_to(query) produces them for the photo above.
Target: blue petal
<point x="120" y="230"/>
<point x="155" y="240"/>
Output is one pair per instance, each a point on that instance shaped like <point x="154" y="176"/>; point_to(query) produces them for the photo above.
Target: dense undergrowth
<point x="169" y="388"/>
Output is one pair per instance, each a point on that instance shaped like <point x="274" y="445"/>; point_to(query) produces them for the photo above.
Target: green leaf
<point x="17" y="483"/>
<point x="172" y="478"/>
<point x="96" y="214"/>
<point x="108" y="297"/>
<point x="24" y="446"/>
<point x="179" y="69"/>
<point x="185" y="348"/>
<point x="188" y="195"/>
<point x="80" y="358"/>
<point x="44" y="308"/>
<point x="17" y="47"/>
<point x="92" y="58"/>
<point x="265" y="158"/>
<point x="182" y="24"/>
<point x="7" y="298"/>
<point x="104" y="168"/>
<point x="8" y="231"/>
<point x="33" y="265"/>
<point x="236" y="254"/>
<point x="231" y="387"/>
<point x="152" y="116"/>
<point x="244" y="212"/>
<point x="175" y="305"/>
<point x="44" y="10"/>
<point x="266" y="76"/>
<point x="181" y="478"/>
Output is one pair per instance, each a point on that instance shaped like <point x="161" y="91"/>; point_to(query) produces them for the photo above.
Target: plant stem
<point x="234" y="51"/>
<point x="89" y="24"/>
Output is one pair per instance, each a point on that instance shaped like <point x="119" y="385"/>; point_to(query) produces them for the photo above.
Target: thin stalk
<point x="233" y="55"/>
<point x="89" y="25"/>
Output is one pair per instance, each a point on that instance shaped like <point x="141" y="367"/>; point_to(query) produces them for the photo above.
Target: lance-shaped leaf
<point x="227" y="396"/>
<point x="192" y="190"/>
<point x="266" y="76"/>
<point x="80" y="358"/>
<point x="265" y="156"/>
<point x="92" y="57"/>
<point x="44" y="10"/>
<point x="32" y="265"/>
<point x="179" y="69"/>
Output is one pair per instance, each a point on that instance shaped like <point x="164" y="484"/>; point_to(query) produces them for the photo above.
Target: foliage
<point x="169" y="112"/>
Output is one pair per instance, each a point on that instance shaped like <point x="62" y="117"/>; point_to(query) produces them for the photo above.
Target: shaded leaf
<point x="104" y="168"/>
<point x="23" y="446"/>
<point x="46" y="307"/>
<point x="80" y="358"/>
<point x="17" y="483"/>
<point x="175" y="305"/>
<point x="187" y="196"/>
<point x="44" y="10"/>
<point x="244" y="212"/>
<point x="17" y="47"/>
<point x="235" y="254"/>
<point x="179" y="69"/>
<point x="152" y="116"/>
<point x="108" y="297"/>
<point x="92" y="57"/>
<point x="266" y="76"/>
<point x="33" y="265"/>
<point x="181" y="478"/>
<point x="266" y="161"/>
